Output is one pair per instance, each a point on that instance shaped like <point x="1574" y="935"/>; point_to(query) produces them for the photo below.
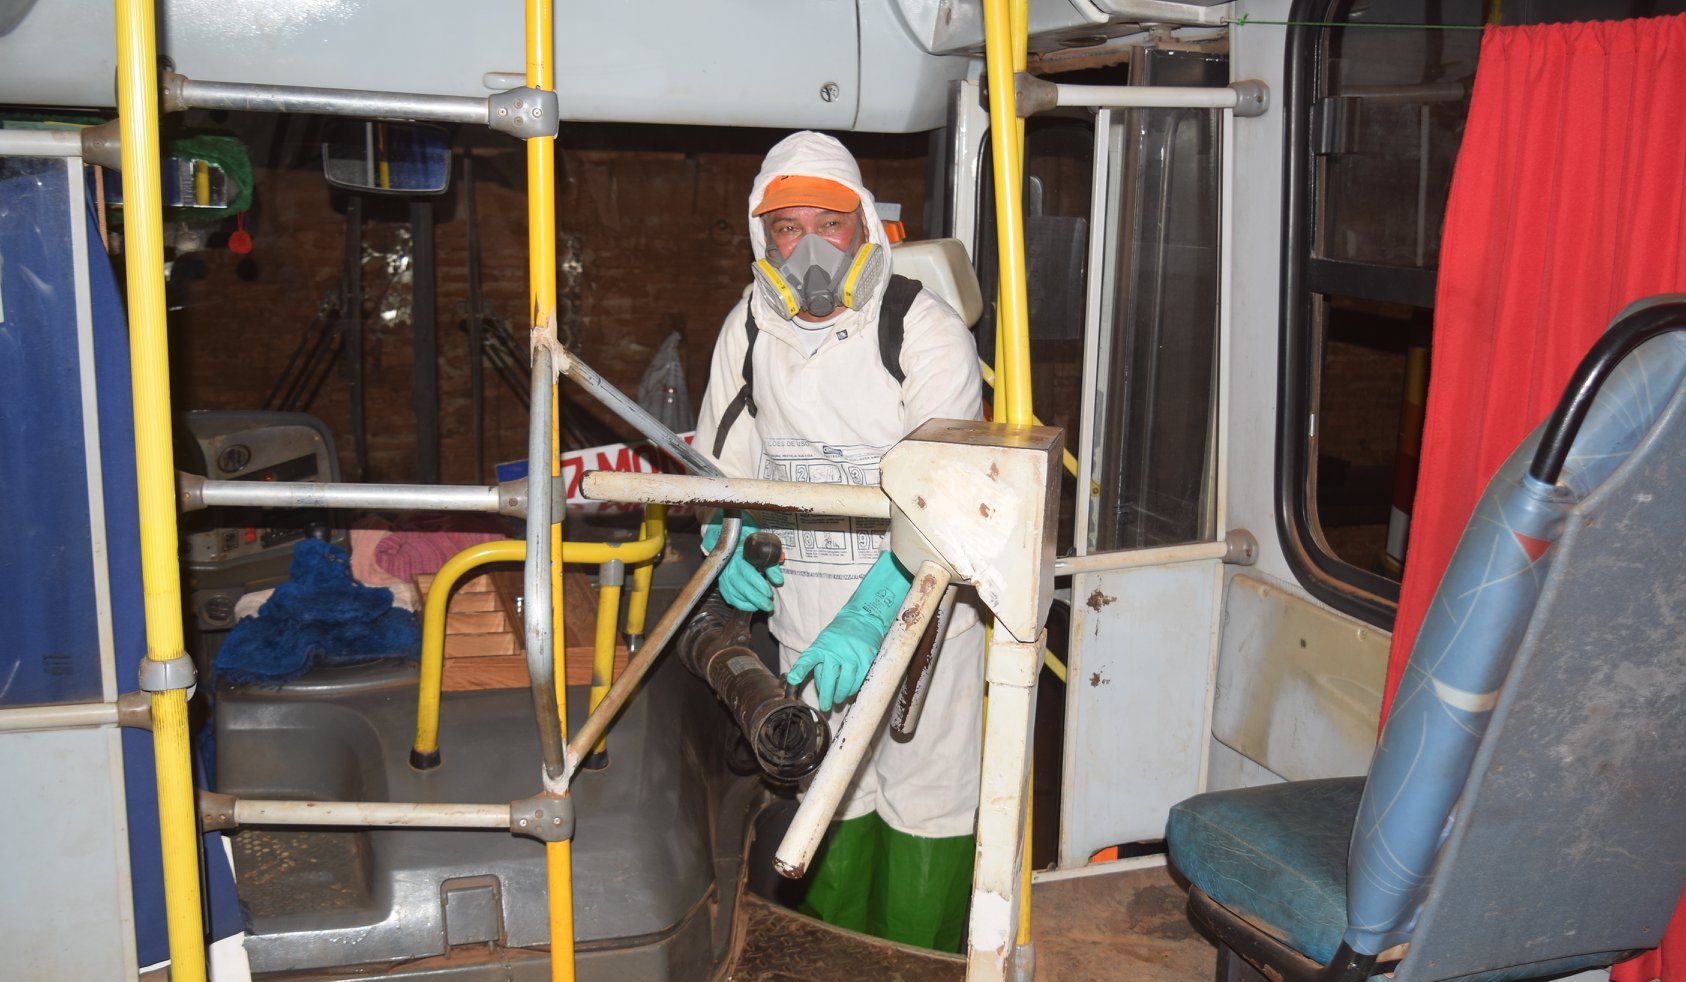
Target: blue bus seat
<point x="1521" y="816"/>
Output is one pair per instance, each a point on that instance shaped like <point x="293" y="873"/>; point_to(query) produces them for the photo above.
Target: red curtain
<point x="1568" y="202"/>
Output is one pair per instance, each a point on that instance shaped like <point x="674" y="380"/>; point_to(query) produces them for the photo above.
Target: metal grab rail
<point x="1034" y="95"/>
<point x="424" y="752"/>
<point x="1238" y="547"/>
<point x="519" y="112"/>
<point x="794" y="497"/>
<point x="196" y="492"/>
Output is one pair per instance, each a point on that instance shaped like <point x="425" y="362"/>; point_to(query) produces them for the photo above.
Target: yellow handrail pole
<point x="424" y="752"/>
<point x="541" y="272"/>
<point x="1067" y="458"/>
<point x="610" y="576"/>
<point x="654" y="528"/>
<point x="1006" y="28"/>
<point x="155" y="478"/>
<point x="1021" y="60"/>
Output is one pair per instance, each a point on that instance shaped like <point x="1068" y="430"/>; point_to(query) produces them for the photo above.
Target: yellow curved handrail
<point x="638" y="599"/>
<point x="636" y="554"/>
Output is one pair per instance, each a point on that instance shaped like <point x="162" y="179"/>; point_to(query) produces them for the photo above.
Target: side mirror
<point x="386" y="158"/>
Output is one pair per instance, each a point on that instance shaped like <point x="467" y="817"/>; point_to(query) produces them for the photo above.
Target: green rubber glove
<point x="741" y="584"/>
<point x="842" y="653"/>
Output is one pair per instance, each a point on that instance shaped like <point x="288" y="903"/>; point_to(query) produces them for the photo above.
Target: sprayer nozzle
<point x="791" y="741"/>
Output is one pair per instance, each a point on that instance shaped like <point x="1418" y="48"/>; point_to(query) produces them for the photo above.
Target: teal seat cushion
<point x="1275" y="855"/>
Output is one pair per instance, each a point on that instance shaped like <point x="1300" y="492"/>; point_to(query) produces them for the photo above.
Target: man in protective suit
<point x="803" y="388"/>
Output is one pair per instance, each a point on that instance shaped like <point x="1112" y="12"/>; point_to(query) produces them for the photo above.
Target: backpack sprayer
<point x="787" y="736"/>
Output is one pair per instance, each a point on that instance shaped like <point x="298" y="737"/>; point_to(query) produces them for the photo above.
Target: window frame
<point x="1350" y="589"/>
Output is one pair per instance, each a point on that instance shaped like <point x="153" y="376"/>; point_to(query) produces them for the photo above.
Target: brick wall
<point x="659" y="213"/>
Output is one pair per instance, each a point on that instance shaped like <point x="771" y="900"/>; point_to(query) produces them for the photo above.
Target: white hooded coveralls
<point x="829" y="417"/>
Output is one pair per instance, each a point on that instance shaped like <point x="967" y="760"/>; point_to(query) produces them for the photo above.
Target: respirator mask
<point x="818" y="278"/>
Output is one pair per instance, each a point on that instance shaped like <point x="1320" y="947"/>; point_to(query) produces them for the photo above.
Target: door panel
<point x="1142" y="647"/>
<point x="1298" y="686"/>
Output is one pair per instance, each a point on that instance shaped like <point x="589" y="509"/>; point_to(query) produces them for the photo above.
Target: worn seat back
<point x="1525" y="801"/>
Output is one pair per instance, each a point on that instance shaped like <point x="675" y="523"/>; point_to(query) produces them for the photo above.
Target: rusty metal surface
<point x="299" y="871"/>
<point x="779" y="945"/>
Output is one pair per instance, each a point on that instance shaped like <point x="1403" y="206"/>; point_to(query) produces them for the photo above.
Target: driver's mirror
<point x="386" y="158"/>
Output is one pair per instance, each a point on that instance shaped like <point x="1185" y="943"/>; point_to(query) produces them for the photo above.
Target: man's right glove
<point x="741" y="584"/>
<point x="845" y="649"/>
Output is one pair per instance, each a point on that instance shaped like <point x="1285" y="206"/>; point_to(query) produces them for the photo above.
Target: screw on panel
<point x="830" y="92"/>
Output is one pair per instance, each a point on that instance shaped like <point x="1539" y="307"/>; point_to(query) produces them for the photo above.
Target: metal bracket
<point x="611" y="573"/>
<point x="216" y="811"/>
<point x="1032" y="95"/>
<point x="134" y="710"/>
<point x="1243" y="548"/>
<point x="512" y="498"/>
<point x="524" y="113"/>
<point x="190" y="491"/>
<point x="170" y="92"/>
<point x="168" y="675"/>
<point x="101" y="145"/>
<point x="545" y="817"/>
<point x="1252" y="97"/>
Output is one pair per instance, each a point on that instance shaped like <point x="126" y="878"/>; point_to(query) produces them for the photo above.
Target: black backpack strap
<point x="892" y="317"/>
<point x="745" y="398"/>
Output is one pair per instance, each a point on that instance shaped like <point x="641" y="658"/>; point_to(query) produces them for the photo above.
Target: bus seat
<point x="1521" y="816"/>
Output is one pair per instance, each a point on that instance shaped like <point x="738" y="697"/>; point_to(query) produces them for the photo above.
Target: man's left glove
<point x="741" y="584"/>
<point x="842" y="653"/>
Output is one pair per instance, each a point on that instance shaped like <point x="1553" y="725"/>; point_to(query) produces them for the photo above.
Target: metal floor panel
<point x="643" y="856"/>
<point x="780" y="945"/>
<point x="294" y="871"/>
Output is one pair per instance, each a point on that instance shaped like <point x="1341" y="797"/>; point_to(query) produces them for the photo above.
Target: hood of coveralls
<point x="811" y="154"/>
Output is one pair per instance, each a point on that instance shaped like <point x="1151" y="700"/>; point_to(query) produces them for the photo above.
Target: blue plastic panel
<point x="51" y="651"/>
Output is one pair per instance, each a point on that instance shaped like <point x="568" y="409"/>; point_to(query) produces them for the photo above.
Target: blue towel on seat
<point x="320" y="616"/>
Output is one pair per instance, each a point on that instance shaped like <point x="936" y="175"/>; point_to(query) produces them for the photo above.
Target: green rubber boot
<point x="840" y="882"/>
<point x="920" y="889"/>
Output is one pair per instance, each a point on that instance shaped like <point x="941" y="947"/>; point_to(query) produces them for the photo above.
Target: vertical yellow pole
<point x="541" y="272"/>
<point x="610" y="575"/>
<point x="1012" y="317"/>
<point x="155" y="478"/>
<point x="638" y="599"/>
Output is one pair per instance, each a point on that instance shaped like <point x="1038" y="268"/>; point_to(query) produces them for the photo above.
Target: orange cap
<point x="793" y="190"/>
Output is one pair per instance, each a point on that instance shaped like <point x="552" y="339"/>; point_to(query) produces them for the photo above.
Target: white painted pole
<point x="1010" y="672"/>
<point x="1096" y="562"/>
<point x="800" y="497"/>
<point x="883" y="681"/>
<point x="370" y="814"/>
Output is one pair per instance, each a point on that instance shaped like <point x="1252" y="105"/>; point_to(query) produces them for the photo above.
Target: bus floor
<point x="1124" y="925"/>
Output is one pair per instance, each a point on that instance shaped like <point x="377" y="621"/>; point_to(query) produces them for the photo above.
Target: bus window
<point x="1375" y="114"/>
<point x="1154" y="442"/>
